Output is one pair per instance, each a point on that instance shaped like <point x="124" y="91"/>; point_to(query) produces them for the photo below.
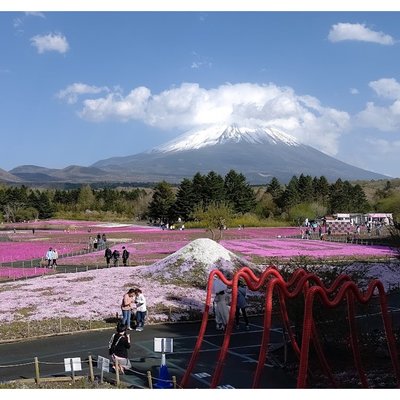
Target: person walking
<point x="125" y="256"/>
<point x="118" y="347"/>
<point x="221" y="307"/>
<point x="141" y="309"/>
<point x="55" y="258"/>
<point x="241" y="305"/>
<point x="115" y="257"/>
<point x="49" y="257"/>
<point x="126" y="308"/>
<point x="108" y="256"/>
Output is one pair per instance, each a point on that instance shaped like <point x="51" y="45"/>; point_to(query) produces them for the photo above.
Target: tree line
<point x="223" y="196"/>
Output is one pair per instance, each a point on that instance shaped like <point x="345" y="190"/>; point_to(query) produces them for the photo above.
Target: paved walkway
<point x="239" y="366"/>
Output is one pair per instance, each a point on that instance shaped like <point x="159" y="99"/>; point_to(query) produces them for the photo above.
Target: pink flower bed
<point x="18" y="251"/>
<point x="148" y="244"/>
<point x="287" y="248"/>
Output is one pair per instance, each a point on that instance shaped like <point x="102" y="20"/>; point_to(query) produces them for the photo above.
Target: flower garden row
<point x="149" y="244"/>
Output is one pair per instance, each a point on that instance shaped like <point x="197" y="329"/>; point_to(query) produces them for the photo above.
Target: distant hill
<point x="8" y="177"/>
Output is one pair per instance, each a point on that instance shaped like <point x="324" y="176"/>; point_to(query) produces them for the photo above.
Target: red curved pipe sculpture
<point x="299" y="283"/>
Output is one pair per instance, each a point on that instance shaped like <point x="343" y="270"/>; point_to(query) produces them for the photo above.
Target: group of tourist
<point x="98" y="242"/>
<point x="134" y="304"/>
<point x="222" y="301"/>
<point x="51" y="257"/>
<point x="133" y="308"/>
<point x="115" y="255"/>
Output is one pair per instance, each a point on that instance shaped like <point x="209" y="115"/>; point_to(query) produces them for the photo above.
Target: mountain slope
<point x="258" y="153"/>
<point x="8" y="177"/>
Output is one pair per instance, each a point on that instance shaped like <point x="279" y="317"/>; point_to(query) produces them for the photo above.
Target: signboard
<point x="163" y="345"/>
<point x="76" y="364"/>
<point x="103" y="363"/>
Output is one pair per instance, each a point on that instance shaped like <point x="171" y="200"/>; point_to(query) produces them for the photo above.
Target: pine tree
<point x="274" y="188"/>
<point x="238" y="192"/>
<point x="305" y="188"/>
<point x="215" y="190"/>
<point x="162" y="204"/>
<point x="199" y="189"/>
<point x="185" y="200"/>
<point x="290" y="196"/>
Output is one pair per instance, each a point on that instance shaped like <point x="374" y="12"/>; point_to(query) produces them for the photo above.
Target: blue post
<point x="165" y="379"/>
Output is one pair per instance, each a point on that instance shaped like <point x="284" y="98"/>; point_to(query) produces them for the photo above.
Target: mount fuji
<point x="258" y="153"/>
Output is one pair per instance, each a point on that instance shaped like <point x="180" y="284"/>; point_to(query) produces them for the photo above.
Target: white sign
<point x="76" y="364"/>
<point x="163" y="345"/>
<point x="103" y="363"/>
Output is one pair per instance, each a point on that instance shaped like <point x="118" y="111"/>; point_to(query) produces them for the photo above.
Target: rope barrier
<point x="16" y="365"/>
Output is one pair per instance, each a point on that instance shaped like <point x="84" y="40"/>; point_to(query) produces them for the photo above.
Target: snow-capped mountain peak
<point x="221" y="134"/>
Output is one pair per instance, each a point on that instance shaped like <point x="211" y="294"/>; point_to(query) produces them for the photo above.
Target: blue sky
<point x="77" y="87"/>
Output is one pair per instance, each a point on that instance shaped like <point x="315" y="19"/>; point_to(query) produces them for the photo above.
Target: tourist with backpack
<point x="118" y="347"/>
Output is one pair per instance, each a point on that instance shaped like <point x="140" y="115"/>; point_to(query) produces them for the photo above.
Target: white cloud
<point x="17" y="22"/>
<point x="388" y="88"/>
<point x="385" y="118"/>
<point x="35" y="14"/>
<point x="190" y="106"/>
<point x="200" y="61"/>
<point x="115" y="106"/>
<point x="50" y="42"/>
<point x="359" y="32"/>
<point x="354" y="91"/>
<point x="72" y="92"/>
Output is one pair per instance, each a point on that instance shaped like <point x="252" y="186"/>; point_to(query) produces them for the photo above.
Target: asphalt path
<point x="17" y="358"/>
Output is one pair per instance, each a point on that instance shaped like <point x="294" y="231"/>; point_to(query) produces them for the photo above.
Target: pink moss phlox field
<point x="287" y="248"/>
<point x="147" y="243"/>
<point x="95" y="295"/>
<point x="16" y="251"/>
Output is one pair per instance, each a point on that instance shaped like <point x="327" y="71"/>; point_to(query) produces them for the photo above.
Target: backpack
<point x="116" y="254"/>
<point x="112" y="344"/>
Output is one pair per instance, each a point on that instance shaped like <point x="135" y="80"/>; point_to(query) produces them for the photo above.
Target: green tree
<point x="358" y="199"/>
<point x="199" y="189"/>
<point x="86" y="198"/>
<point x="274" y="188"/>
<point x="215" y="217"/>
<point x="239" y="193"/>
<point x="321" y="190"/>
<point x="214" y="189"/>
<point x="161" y="207"/>
<point x="305" y="188"/>
<point x="266" y="207"/>
<point x="46" y="207"/>
<point x="390" y="204"/>
<point x="299" y="212"/>
<point x="185" y="200"/>
<point x="290" y="196"/>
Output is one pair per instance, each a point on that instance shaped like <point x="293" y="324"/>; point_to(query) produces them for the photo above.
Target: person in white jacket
<point x="49" y="256"/>
<point x="141" y="309"/>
